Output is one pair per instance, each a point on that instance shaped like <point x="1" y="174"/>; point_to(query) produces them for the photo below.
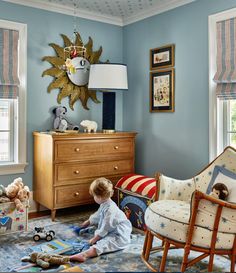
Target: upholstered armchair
<point x="186" y="216"/>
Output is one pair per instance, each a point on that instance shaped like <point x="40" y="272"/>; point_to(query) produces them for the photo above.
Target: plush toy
<point x="89" y="126"/>
<point x="60" y="122"/>
<point x="44" y="260"/>
<point x="18" y="193"/>
<point x="3" y="197"/>
<point x="220" y="191"/>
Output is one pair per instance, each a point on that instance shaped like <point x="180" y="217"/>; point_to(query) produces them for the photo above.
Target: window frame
<point x="20" y="111"/>
<point x="217" y="109"/>
<point x="11" y="125"/>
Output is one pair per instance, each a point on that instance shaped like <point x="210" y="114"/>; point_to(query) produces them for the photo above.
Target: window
<point x="222" y="113"/>
<point x="230" y="122"/>
<point x="13" y="106"/>
<point x="6" y="131"/>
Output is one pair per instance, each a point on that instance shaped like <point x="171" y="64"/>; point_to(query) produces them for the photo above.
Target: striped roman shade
<point x="9" y="81"/>
<point x="225" y="76"/>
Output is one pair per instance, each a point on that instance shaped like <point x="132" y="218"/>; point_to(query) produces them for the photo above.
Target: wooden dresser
<point x="66" y="164"/>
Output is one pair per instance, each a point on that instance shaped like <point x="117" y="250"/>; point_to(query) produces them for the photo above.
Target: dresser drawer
<point x="72" y="195"/>
<point x="72" y="171"/>
<point x="93" y="149"/>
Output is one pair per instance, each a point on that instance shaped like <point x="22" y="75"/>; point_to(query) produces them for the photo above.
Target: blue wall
<point x="173" y="143"/>
<point x="43" y="28"/>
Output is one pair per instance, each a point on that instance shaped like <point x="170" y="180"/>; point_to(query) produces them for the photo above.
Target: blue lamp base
<point x="108" y="112"/>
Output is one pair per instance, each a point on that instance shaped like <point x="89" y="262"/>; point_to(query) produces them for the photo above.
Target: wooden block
<point x="73" y="269"/>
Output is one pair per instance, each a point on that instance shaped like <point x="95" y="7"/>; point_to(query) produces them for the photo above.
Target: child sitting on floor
<point x="114" y="229"/>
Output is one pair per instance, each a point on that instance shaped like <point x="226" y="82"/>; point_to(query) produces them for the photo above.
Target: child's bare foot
<point x="83" y="256"/>
<point x="78" y="258"/>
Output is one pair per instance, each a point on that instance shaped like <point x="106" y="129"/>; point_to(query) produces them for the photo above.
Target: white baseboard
<point x="33" y="206"/>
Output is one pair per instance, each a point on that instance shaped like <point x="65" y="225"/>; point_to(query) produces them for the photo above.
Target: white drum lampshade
<point x="108" y="77"/>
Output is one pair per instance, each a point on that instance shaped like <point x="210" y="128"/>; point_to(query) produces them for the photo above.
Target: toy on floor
<point x="44" y="260"/>
<point x="82" y="230"/>
<point x="41" y="233"/>
<point x="220" y="191"/>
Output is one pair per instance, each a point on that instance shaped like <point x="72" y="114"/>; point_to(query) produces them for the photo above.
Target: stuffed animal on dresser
<point x="220" y="191"/>
<point x="89" y="126"/>
<point x="61" y="123"/>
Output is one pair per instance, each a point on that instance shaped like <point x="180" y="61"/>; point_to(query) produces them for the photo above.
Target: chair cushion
<point x="225" y="176"/>
<point x="138" y="184"/>
<point x="170" y="219"/>
<point x="175" y="189"/>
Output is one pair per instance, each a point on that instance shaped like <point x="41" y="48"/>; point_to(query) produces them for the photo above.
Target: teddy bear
<point x="61" y="123"/>
<point x="89" y="126"/>
<point x="18" y="193"/>
<point x="44" y="260"/>
<point x="3" y="197"/>
<point x="220" y="191"/>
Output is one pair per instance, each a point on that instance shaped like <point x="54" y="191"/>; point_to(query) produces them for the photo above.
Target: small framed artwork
<point x="162" y="57"/>
<point x="162" y="86"/>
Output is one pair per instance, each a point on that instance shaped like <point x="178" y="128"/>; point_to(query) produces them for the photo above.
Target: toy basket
<point x="12" y="220"/>
<point x="135" y="194"/>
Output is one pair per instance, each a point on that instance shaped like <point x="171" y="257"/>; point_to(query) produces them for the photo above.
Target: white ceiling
<point x="119" y="12"/>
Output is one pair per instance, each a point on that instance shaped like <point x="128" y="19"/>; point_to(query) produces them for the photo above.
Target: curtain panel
<point x="225" y="76"/>
<point x="9" y="81"/>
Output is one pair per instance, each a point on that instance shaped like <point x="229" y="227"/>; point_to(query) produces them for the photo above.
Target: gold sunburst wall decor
<point x="70" y="69"/>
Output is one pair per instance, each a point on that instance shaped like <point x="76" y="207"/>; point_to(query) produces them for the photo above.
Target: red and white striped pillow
<point x="138" y="184"/>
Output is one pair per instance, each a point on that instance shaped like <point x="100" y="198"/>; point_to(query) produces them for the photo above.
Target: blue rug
<point x="14" y="246"/>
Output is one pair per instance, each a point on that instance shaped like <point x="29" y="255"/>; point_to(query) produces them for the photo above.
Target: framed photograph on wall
<point x="162" y="57"/>
<point x="162" y="86"/>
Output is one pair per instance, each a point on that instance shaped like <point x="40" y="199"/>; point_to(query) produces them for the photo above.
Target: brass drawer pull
<point x="116" y="168"/>
<point x="116" y="147"/>
<point x="76" y="172"/>
<point x="76" y="194"/>
<point x="77" y="150"/>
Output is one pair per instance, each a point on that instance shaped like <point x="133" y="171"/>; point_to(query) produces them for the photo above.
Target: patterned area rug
<point x="15" y="246"/>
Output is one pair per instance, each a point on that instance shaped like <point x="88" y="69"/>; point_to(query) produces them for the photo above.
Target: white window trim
<point x="215" y="106"/>
<point x="19" y="167"/>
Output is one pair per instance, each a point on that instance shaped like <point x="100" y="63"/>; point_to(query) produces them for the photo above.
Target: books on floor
<point x="53" y="247"/>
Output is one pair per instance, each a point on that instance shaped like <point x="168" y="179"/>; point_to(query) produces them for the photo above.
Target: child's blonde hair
<point x="101" y="187"/>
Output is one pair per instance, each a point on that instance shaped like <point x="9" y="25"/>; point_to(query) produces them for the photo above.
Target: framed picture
<point x="162" y="85"/>
<point x="162" y="57"/>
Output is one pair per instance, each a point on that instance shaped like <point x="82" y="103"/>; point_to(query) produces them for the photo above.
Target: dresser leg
<point x="37" y="207"/>
<point x="53" y="214"/>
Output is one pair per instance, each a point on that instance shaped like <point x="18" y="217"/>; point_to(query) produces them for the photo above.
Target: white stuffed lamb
<point x="89" y="126"/>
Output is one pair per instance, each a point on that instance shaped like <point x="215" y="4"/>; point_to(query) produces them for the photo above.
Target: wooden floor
<point x="61" y="212"/>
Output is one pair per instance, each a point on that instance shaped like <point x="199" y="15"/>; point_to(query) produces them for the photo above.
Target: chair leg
<point x="185" y="258"/>
<point x="210" y="264"/>
<point x="232" y="267"/>
<point x="163" y="260"/>
<point x="145" y="243"/>
<point x="149" y="245"/>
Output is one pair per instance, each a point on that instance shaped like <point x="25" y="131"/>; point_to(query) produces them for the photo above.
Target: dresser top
<point x="81" y="135"/>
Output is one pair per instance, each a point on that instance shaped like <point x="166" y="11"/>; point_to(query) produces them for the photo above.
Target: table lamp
<point x="107" y="78"/>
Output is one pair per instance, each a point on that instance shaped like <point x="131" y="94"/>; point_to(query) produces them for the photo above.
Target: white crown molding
<point x="69" y="11"/>
<point x="154" y="11"/>
<point x="119" y="21"/>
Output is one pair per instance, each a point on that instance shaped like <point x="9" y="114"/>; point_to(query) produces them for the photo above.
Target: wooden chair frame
<point x="187" y="246"/>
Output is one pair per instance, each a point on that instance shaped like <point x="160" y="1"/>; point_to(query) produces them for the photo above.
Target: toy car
<point x="41" y="233"/>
